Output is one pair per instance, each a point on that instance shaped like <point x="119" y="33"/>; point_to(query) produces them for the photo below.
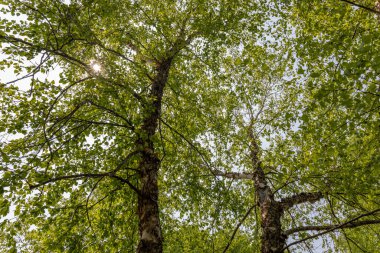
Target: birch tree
<point x="189" y="126"/>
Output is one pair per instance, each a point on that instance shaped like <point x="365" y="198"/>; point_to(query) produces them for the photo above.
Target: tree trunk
<point x="149" y="221"/>
<point x="148" y="212"/>
<point x="272" y="238"/>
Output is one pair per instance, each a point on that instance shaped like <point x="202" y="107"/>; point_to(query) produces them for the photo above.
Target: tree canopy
<point x="190" y="126"/>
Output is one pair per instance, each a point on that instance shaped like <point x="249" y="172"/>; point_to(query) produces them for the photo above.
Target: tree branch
<point x="100" y="123"/>
<point x="113" y="113"/>
<point x="237" y="228"/>
<point x="300" y="198"/>
<point x="126" y="181"/>
<point x="234" y="175"/>
<point x="32" y="74"/>
<point x="63" y="91"/>
<point x="332" y="228"/>
<point x="77" y="177"/>
<point x="329" y="227"/>
<point x="362" y="6"/>
<point x="58" y="52"/>
<point x="192" y="145"/>
<point x="88" y="175"/>
<point x="125" y="160"/>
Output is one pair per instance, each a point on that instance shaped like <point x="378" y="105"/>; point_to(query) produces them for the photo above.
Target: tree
<point x="190" y="126"/>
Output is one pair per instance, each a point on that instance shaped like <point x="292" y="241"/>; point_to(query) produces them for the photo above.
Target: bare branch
<point x="300" y="198"/>
<point x="332" y="228"/>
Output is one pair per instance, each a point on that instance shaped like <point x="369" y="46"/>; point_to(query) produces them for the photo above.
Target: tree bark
<point x="272" y="238"/>
<point x="148" y="212"/>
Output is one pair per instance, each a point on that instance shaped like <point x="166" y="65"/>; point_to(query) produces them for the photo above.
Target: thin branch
<point x="337" y="219"/>
<point x="76" y="135"/>
<point x="62" y="92"/>
<point x="104" y="197"/>
<point x="64" y="55"/>
<point x="64" y="119"/>
<point x="31" y="74"/>
<point x="46" y="19"/>
<point x="86" y="175"/>
<point x="100" y="123"/>
<point x="126" y="181"/>
<point x="129" y="156"/>
<point x="190" y="144"/>
<point x="126" y="87"/>
<point x="362" y="6"/>
<point x="87" y="209"/>
<point x="115" y="52"/>
<point x="356" y="244"/>
<point x="77" y="177"/>
<point x="113" y="113"/>
<point x="329" y="228"/>
<point x="52" y="106"/>
<point x="237" y="227"/>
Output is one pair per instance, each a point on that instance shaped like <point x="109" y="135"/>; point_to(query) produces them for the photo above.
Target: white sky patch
<point x="10" y="215"/>
<point x="96" y="67"/>
<point x="66" y="195"/>
<point x="90" y="140"/>
<point x="46" y="212"/>
<point x="32" y="227"/>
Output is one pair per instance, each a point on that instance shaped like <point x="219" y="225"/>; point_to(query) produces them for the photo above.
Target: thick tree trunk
<point x="149" y="221"/>
<point x="148" y="212"/>
<point x="272" y="238"/>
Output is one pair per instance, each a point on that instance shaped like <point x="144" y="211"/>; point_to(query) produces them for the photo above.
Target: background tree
<point x="190" y="126"/>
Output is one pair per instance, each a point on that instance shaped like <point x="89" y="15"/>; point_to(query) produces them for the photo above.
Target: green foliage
<point x="303" y="74"/>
